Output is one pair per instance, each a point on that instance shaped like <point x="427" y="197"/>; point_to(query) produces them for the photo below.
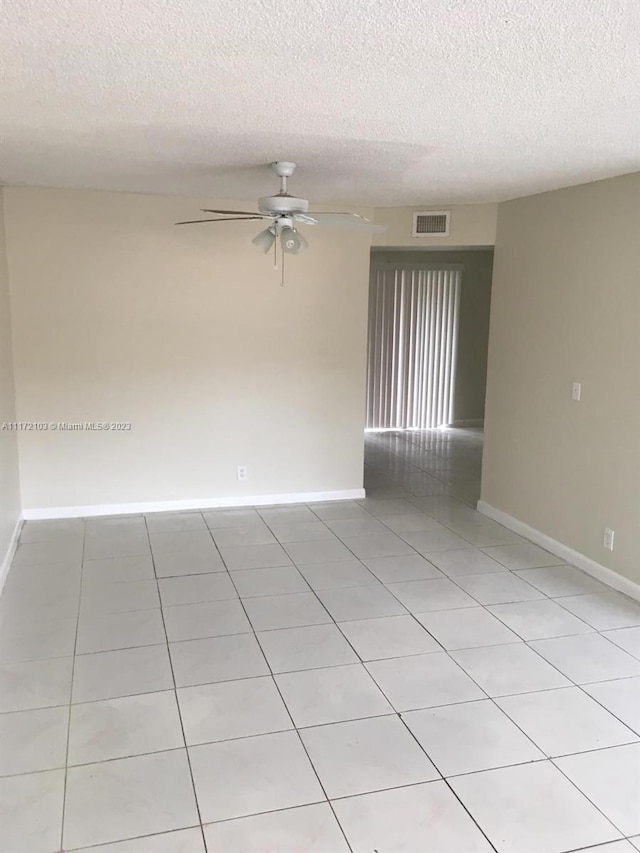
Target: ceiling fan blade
<point x="348" y="220"/>
<point x="305" y="219"/>
<point x="232" y="212"/>
<point x="229" y="219"/>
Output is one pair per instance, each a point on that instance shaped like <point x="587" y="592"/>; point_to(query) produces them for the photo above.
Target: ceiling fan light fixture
<point x="265" y="239"/>
<point x="292" y="241"/>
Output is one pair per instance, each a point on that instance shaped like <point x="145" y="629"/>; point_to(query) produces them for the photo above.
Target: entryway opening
<point x="426" y="370"/>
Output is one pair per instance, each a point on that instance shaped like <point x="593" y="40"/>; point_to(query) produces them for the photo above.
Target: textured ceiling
<point x="381" y="102"/>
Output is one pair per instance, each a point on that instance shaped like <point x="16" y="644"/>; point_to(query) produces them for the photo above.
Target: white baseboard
<point x="197" y="503"/>
<point x="11" y="550"/>
<point x="596" y="570"/>
<point x="472" y="423"/>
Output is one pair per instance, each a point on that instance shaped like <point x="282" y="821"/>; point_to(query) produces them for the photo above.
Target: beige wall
<point x="565" y="308"/>
<point x="9" y="475"/>
<point x="470" y="225"/>
<point x="473" y="330"/>
<point x="185" y="333"/>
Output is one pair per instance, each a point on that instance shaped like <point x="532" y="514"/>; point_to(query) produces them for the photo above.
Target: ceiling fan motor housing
<point x="283" y="204"/>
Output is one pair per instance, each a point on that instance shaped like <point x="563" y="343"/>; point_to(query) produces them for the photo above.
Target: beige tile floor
<point x="393" y="674"/>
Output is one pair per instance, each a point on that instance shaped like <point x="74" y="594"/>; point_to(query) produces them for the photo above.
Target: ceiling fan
<point x="285" y="212"/>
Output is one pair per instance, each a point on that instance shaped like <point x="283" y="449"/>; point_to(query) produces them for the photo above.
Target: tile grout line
<point x="70" y="707"/>
<point x="293" y="723"/>
<point x="175" y="695"/>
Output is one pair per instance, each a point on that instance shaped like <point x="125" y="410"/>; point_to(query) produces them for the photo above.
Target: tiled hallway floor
<point x="394" y="674"/>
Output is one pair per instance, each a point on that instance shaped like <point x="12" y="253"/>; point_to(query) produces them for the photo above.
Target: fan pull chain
<point x="275" y="255"/>
<point x="282" y="279"/>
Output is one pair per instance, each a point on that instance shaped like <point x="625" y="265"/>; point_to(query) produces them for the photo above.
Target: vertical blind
<point x="413" y="328"/>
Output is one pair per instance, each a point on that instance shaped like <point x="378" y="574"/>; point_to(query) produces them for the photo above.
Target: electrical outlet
<point x="242" y="472"/>
<point x="607" y="539"/>
<point x="576" y="391"/>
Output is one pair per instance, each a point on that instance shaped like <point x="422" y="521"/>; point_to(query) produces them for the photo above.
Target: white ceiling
<point x="381" y="102"/>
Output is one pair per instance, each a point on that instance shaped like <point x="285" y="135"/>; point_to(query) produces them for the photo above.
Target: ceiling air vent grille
<point x="431" y="223"/>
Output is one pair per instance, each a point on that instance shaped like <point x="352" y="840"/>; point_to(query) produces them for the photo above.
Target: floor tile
<point x="117" y="728"/>
<point x="366" y="755"/>
<point x="360" y="602"/>
<point x="55" y="529"/>
<point x="338" y="575"/>
<point x="532" y="808"/>
<point x="538" y="620"/>
<point x="470" y="737"/>
<point x="312" y="829"/>
<point x="587" y="658"/>
<point x="522" y="556"/>
<point x="408" y="567"/>
<point x="437" y="594"/>
<point x="605" y="611"/>
<point x="333" y="510"/>
<point x="564" y="721"/>
<point x="627" y="639"/>
<point x="115" y="524"/>
<point x="119" y="631"/>
<point x="196" y="588"/>
<point x="116" y="544"/>
<point x="33" y="740"/>
<point x="37" y="553"/>
<point x="466" y="628"/>
<point x="294" y="514"/>
<point x="177" y="841"/>
<point x="382" y="508"/>
<point x="381" y="544"/>
<point x="232" y="709"/>
<point x="610" y="778"/>
<point x="345" y="528"/>
<point x="31" y="820"/>
<point x="423" y="681"/>
<point x="558" y="581"/>
<point x="622" y="698"/>
<point x="485" y="535"/>
<point x="413" y="522"/>
<point x="426" y="818"/>
<point x="309" y="647"/>
<point x="426" y="542"/>
<point x="118" y="570"/>
<point x="318" y="551"/>
<point x="252" y="583"/>
<point x="197" y="562"/>
<point x="498" y="588"/>
<point x="217" y="519"/>
<point x="36" y="684"/>
<point x="100" y="599"/>
<point x="255" y="557"/>
<point x="505" y="670"/>
<point x="171" y="542"/>
<point x="217" y="659"/>
<point x="108" y="675"/>
<point x="253" y="534"/>
<point x="319" y="696"/>
<point x="306" y="531"/>
<point x="209" y="619"/>
<point x="174" y="522"/>
<point x="128" y="797"/>
<point x="464" y="561"/>
<point x="285" y="611"/>
<point x="388" y="637"/>
<point x="251" y="775"/>
<point x="29" y="640"/>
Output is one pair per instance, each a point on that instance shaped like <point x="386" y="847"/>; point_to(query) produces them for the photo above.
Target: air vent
<point x="431" y="223"/>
